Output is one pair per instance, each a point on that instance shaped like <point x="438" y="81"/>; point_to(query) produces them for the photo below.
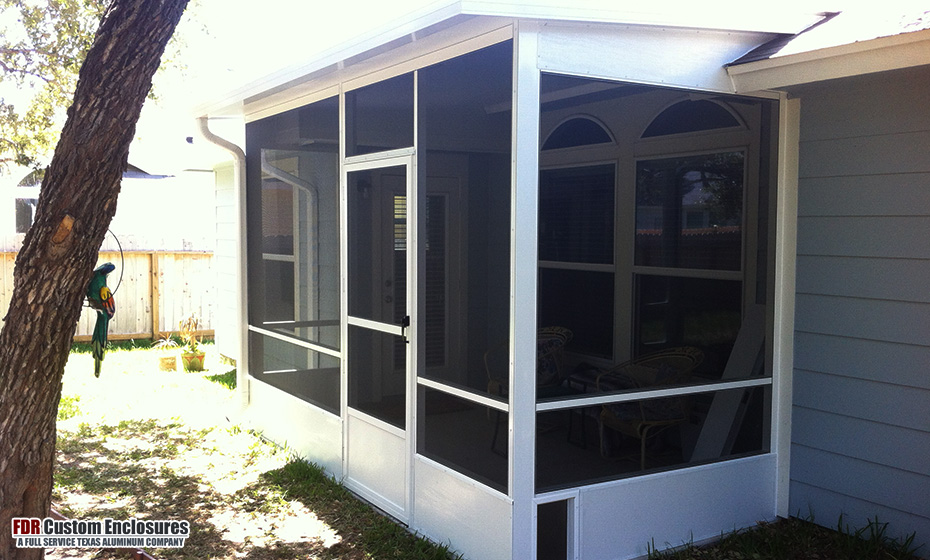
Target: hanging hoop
<point x="122" y="264"/>
<point x="122" y="260"/>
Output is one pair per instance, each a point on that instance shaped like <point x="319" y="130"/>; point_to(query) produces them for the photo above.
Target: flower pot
<point x="168" y="363"/>
<point x="192" y="361"/>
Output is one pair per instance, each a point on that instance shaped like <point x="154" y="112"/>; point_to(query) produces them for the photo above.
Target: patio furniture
<point x="550" y="347"/>
<point x="550" y="379"/>
<point x="646" y="419"/>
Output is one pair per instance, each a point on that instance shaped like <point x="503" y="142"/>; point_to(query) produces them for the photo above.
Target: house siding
<point x="861" y="411"/>
<point x="227" y="230"/>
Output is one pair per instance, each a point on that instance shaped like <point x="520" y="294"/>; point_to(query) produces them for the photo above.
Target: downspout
<point x="242" y="361"/>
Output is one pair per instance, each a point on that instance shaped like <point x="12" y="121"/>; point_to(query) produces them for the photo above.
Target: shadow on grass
<point x="121" y="472"/>
<point x="119" y="466"/>
<point x="366" y="533"/>
<point x="143" y="469"/>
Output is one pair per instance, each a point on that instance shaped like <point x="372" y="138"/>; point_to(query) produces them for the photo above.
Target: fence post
<point x="156" y="304"/>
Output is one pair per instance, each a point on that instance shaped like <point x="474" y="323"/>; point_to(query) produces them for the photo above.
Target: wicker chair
<point x="648" y="418"/>
<point x="550" y="378"/>
<point x="550" y="347"/>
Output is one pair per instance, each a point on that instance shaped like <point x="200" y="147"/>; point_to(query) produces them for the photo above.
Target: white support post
<point x="786" y="245"/>
<point x="525" y="170"/>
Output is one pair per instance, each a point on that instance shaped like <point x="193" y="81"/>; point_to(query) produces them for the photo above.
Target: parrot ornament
<point x="101" y="299"/>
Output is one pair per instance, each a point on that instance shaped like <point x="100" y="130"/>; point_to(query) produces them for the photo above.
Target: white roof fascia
<point x="719" y="15"/>
<point x="729" y="15"/>
<point x="469" y="34"/>
<point x="865" y="57"/>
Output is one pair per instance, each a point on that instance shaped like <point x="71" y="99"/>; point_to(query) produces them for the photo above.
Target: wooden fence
<point x="158" y="289"/>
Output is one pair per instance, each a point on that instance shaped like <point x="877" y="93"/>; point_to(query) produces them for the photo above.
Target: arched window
<point x="691" y="116"/>
<point x="577" y="131"/>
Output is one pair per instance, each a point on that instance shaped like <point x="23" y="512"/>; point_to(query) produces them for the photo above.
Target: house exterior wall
<point x="861" y="413"/>
<point x="225" y="262"/>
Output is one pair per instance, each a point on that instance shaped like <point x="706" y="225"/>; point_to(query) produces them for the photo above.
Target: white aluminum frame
<point x="786" y="242"/>
<point x="523" y="254"/>
<point x="522" y="408"/>
<point x="404" y="157"/>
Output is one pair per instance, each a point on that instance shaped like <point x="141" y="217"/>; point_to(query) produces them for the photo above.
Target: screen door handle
<point x="404" y="325"/>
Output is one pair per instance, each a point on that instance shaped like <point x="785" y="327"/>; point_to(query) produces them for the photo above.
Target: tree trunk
<point x="77" y="202"/>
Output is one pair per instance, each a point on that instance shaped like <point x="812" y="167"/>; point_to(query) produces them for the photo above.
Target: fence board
<point x="158" y="289"/>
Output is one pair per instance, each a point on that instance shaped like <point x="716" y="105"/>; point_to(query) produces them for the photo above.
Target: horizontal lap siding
<point x="227" y="232"/>
<point x="900" y="364"/>
<point x="892" y="488"/>
<point x="861" y="416"/>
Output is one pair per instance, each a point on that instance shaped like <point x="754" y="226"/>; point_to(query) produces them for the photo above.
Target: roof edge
<point x="446" y="12"/>
<point x="726" y="15"/>
<point x="843" y="61"/>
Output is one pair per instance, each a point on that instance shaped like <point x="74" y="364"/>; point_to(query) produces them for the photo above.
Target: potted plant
<point x="192" y="356"/>
<point x="168" y="358"/>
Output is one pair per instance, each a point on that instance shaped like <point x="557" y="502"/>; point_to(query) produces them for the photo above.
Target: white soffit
<point x="730" y="15"/>
<point x="662" y="56"/>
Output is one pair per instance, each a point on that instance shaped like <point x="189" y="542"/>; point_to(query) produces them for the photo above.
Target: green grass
<point x="798" y="539"/>
<point x="227" y="379"/>
<point x="372" y="534"/>
<point x="68" y="407"/>
<point x="132" y="344"/>
<point x="140" y="442"/>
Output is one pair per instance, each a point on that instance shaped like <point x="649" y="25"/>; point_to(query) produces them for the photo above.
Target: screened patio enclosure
<point x="523" y="302"/>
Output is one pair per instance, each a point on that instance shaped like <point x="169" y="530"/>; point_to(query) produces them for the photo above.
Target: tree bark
<point x="77" y="202"/>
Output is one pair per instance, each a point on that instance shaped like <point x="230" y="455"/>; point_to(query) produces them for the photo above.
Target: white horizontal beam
<point x="616" y="398"/>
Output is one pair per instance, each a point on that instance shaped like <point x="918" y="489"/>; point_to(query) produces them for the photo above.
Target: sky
<point x="246" y="39"/>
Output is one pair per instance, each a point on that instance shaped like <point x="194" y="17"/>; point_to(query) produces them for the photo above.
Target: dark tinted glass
<point x="277" y="216"/>
<point x="576" y="214"/>
<point x="465" y="436"/>
<point x="581" y="301"/>
<point x="576" y="132"/>
<point x="377" y="375"/>
<point x="293" y="222"/>
<point x="379" y="117"/>
<point x="464" y="213"/>
<point x="690" y="116"/>
<point x="689" y="211"/>
<point x="699" y="312"/>
<point x="308" y="375"/>
<point x="594" y="444"/>
<point x="378" y="244"/>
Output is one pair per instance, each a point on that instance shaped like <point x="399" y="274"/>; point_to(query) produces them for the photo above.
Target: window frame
<point x="745" y="139"/>
<point x="713" y="274"/>
<point x="263" y="141"/>
<point x="621" y="328"/>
